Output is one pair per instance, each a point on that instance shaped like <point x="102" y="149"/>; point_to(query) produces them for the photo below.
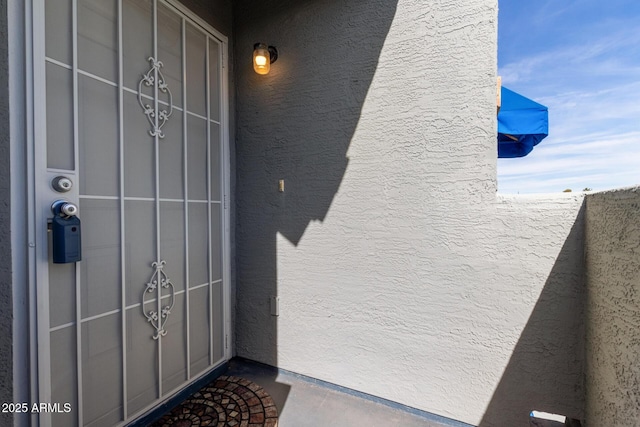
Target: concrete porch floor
<point x="247" y="394"/>
<point x="305" y="402"/>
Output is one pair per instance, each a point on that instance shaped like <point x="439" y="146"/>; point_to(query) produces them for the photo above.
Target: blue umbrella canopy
<point x="522" y="124"/>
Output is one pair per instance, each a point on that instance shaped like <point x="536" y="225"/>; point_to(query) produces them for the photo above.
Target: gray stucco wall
<point x="613" y="308"/>
<point x="400" y="272"/>
<point x="535" y="308"/>
<point x="6" y="298"/>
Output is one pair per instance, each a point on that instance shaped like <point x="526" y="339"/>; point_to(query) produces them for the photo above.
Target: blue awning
<point x="522" y="124"/>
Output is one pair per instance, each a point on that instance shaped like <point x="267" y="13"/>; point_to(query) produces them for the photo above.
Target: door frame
<point x="35" y="173"/>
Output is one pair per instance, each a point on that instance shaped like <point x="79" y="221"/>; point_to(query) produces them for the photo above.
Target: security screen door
<point x="130" y="107"/>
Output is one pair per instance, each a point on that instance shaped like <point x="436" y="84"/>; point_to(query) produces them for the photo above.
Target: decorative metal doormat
<point x="228" y="401"/>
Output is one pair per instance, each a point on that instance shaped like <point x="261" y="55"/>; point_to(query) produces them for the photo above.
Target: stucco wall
<point x="400" y="272"/>
<point x="533" y="308"/>
<point x="613" y="308"/>
<point x="6" y="298"/>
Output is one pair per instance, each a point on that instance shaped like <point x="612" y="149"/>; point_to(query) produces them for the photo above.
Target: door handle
<point x="64" y="208"/>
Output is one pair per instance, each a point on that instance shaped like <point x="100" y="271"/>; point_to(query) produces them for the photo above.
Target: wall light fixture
<point x="263" y="57"/>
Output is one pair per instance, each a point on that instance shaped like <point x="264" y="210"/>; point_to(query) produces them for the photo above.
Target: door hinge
<point x="226" y="341"/>
<point x="226" y="201"/>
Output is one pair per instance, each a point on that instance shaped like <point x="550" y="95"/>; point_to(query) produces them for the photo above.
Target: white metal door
<point x="130" y="104"/>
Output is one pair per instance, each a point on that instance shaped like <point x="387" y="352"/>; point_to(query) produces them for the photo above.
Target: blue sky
<point x="582" y="60"/>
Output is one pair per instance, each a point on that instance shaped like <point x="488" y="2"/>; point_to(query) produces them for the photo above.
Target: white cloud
<point x="611" y="55"/>
<point x="593" y="94"/>
<point x="601" y="163"/>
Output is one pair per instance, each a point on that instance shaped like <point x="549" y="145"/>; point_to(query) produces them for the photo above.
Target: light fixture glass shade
<point x="261" y="59"/>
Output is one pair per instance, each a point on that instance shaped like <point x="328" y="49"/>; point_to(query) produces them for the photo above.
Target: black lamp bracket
<point x="273" y="54"/>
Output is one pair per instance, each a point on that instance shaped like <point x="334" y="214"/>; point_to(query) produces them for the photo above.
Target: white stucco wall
<point x="481" y="322"/>
<point x="613" y="308"/>
<point x="400" y="272"/>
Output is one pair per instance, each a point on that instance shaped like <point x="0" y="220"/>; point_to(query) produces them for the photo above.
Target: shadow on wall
<point x="549" y="355"/>
<point x="294" y="124"/>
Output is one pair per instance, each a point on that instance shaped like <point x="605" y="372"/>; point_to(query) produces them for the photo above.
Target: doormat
<point x="227" y="402"/>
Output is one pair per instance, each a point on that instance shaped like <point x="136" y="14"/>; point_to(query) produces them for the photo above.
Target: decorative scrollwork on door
<point x="159" y="280"/>
<point x="151" y="78"/>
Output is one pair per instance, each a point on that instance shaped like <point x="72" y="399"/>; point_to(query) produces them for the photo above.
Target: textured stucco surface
<point x="400" y="272"/>
<point x="6" y="299"/>
<point x="537" y="292"/>
<point x="613" y="308"/>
